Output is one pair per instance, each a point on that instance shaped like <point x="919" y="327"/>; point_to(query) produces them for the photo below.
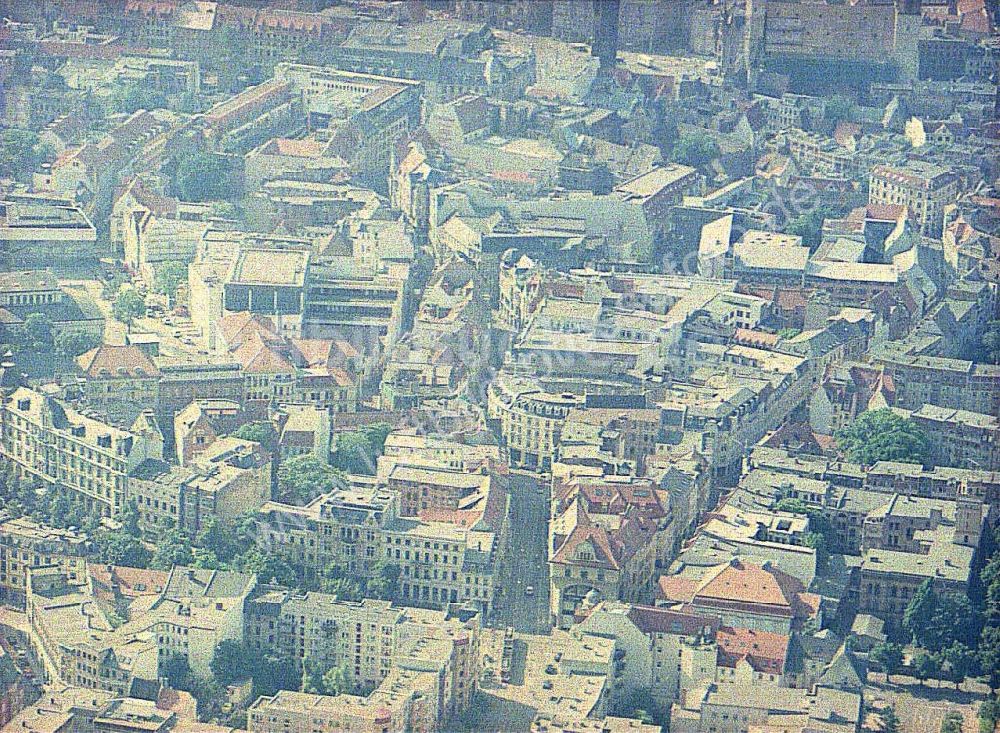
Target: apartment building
<point x="119" y="382"/>
<point x="423" y="488"/>
<point x="444" y="562"/>
<point x="408" y="448"/>
<point x="25" y="544"/>
<point x="187" y="611"/>
<point x="961" y="438"/>
<point x="413" y="669"/>
<point x="46" y="440"/>
<point x="924" y="188"/>
<point x="342" y="529"/>
<point x="221" y="483"/>
<point x="912" y="540"/>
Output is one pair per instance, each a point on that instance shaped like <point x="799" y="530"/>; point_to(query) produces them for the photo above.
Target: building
<point x="913" y="540"/>
<point x="412" y="669"/>
<point x="608" y="538"/>
<point x="44" y="231"/>
<point x="960" y="437"/>
<point x="323" y="629"/>
<point x="201" y="423"/>
<point x="744" y="595"/>
<point x="25" y="544"/>
<point x="71" y="310"/>
<point x="738" y="708"/>
<point x="451" y="58"/>
<point x="119" y="382"/>
<point x="924" y="188"/>
<point x="47" y="441"/>
<point x="434" y="488"/>
<point x="184" y="612"/>
<point x="221" y="483"/>
<point x="364" y="115"/>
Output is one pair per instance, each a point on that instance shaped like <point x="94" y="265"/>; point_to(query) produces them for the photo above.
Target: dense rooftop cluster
<point x="563" y="366"/>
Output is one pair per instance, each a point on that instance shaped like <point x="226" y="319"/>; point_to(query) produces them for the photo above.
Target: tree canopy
<point x="74" y="343"/>
<point x="303" y="478"/>
<point x="169" y="275"/>
<point x="882" y="435"/>
<point x="888" y="656"/>
<point x="258" y="432"/>
<point x="358" y="450"/>
<point x="134" y="97"/>
<point x="204" y="177"/>
<point x="937" y="621"/>
<point x="128" y="306"/>
<point x="696" y="149"/>
<point x="21" y="152"/>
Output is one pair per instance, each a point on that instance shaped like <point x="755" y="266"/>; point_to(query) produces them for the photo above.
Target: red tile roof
<point x="765" y="651"/>
<point x="655" y="620"/>
<point x="116" y="362"/>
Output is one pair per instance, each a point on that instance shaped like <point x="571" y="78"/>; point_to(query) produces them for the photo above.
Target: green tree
<point x="952" y="722"/>
<point x="383" y="581"/>
<point x="809" y="225"/>
<point x="231" y="661"/>
<point x="120" y="548"/>
<point x="358" y="450"/>
<point x="817" y="541"/>
<point x="989" y="715"/>
<point x="209" y="694"/>
<point x="337" y="680"/>
<point x="128" y="306"/>
<point x="226" y="210"/>
<point x="172" y="548"/>
<point x="303" y="478"/>
<point x="169" y="275"/>
<point x="276" y="672"/>
<point x="345" y="589"/>
<point x="132" y="98"/>
<point x="177" y="671"/>
<point x="888" y="656"/>
<point x="926" y="666"/>
<point x="312" y="677"/>
<point x="204" y="177"/>
<point x="696" y="149"/>
<point x="882" y="435"/>
<point x="21" y="152"/>
<point x="37" y="331"/>
<point x="990" y="343"/>
<point x="937" y="621"/>
<point x="214" y="537"/>
<point x="268" y="567"/>
<point x="890" y="721"/>
<point x="258" y="432"/>
<point x="960" y="662"/>
<point x="73" y="343"/>
<point x="989" y="655"/>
